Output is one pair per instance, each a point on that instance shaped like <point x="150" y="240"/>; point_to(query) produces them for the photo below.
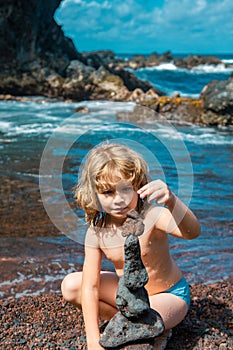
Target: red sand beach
<point x="48" y="322"/>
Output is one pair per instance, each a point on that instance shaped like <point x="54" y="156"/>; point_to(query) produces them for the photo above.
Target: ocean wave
<point x="100" y="119"/>
<point x="228" y="61"/>
<point x="202" y="68"/>
<point x="195" y="134"/>
<point x="5" y="126"/>
<point x="165" y="66"/>
<point x="161" y="67"/>
<point x="27" y="129"/>
<point x="210" y="139"/>
<point x="207" y="68"/>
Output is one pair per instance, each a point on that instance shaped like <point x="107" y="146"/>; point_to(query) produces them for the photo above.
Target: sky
<point x="137" y="26"/>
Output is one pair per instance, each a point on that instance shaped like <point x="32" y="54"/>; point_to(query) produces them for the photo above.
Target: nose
<point x="118" y="198"/>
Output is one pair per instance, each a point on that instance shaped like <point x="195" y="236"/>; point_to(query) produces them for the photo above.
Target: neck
<point x="114" y="222"/>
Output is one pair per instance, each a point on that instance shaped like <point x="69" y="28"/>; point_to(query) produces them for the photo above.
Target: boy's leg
<point x="171" y="308"/>
<point x="71" y="291"/>
<point x="108" y="290"/>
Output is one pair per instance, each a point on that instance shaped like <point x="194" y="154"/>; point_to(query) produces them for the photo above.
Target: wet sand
<point x="21" y="209"/>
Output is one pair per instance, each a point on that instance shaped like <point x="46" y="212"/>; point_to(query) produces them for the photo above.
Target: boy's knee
<point x="71" y="290"/>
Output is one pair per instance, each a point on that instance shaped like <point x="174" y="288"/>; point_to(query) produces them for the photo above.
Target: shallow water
<point x="196" y="162"/>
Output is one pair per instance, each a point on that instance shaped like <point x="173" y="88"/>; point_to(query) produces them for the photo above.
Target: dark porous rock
<point x="184" y="110"/>
<point x="217" y="96"/>
<point x="134" y="271"/>
<point x="122" y="331"/>
<point x="132" y="304"/>
<point x="79" y="71"/>
<point x="135" y="322"/>
<point x="141" y="61"/>
<point x="133" y="225"/>
<point x="192" y="61"/>
<point x="99" y="58"/>
<point x="129" y="79"/>
<point x="163" y="108"/>
<point x="82" y="109"/>
<point x="209" y="118"/>
<point x="155" y="59"/>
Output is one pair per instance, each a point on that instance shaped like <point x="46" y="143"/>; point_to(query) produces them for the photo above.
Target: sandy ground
<point x="48" y="322"/>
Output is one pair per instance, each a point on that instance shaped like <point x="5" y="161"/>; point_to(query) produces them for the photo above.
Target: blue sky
<point x="137" y="26"/>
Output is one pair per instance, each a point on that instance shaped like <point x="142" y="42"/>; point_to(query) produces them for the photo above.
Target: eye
<point x="127" y="189"/>
<point x="108" y="192"/>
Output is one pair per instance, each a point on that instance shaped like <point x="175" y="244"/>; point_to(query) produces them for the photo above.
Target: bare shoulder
<point x="157" y="217"/>
<point x="91" y="239"/>
<point x="156" y="212"/>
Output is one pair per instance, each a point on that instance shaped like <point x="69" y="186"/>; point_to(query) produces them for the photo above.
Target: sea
<point x="45" y="141"/>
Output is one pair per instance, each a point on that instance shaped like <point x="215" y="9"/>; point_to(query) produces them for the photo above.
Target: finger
<point x="144" y="191"/>
<point x="157" y="195"/>
<point x="162" y="199"/>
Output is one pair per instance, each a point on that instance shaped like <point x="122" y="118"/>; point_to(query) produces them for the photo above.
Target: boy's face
<point x="117" y="200"/>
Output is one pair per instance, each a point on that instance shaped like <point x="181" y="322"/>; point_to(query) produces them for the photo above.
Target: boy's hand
<point x="157" y="190"/>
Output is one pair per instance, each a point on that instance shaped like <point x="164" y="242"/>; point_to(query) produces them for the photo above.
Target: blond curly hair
<point x="101" y="170"/>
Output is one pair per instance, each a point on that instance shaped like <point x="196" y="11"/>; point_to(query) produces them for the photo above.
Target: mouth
<point x="120" y="210"/>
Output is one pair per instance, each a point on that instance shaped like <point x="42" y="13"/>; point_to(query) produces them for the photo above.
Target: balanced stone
<point x="131" y="303"/>
<point x="121" y="331"/>
<point x="135" y="321"/>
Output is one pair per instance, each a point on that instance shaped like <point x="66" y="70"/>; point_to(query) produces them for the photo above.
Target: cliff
<point x="29" y="34"/>
<point x="37" y="59"/>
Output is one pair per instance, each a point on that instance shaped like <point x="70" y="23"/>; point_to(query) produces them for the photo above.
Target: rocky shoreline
<point x="48" y="322"/>
<point x="38" y="60"/>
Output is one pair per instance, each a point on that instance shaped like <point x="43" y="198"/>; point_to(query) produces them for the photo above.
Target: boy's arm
<point x="90" y="295"/>
<point x="177" y="219"/>
<point x="181" y="221"/>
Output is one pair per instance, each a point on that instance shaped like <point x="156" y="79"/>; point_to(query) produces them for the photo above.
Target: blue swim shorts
<point x="181" y="289"/>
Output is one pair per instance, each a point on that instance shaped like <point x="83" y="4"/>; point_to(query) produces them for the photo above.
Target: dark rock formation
<point x="192" y="61"/>
<point x="218" y="97"/>
<point x="155" y="59"/>
<point x="30" y="34"/>
<point x="131" y="302"/>
<point x="135" y="322"/>
<point x="122" y="331"/>
<point x="141" y="61"/>
<point x="37" y="59"/>
<point x="99" y="58"/>
<point x="177" y="110"/>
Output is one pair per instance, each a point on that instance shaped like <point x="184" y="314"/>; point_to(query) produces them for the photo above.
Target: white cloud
<point x="176" y="25"/>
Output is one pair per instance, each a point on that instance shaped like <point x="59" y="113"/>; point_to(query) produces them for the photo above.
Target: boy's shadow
<point x="207" y="322"/>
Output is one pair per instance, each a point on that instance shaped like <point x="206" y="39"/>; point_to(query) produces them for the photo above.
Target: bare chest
<point x="153" y="249"/>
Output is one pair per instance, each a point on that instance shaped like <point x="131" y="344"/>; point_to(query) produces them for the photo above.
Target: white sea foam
<point x="5" y="126"/>
<point x="202" y="68"/>
<point x="28" y="292"/>
<point x="164" y="66"/>
<point x="207" y="138"/>
<point x="228" y="61"/>
<point x="207" y="68"/>
<point x="195" y="134"/>
<point x="50" y="277"/>
<point x="101" y="118"/>
<point x="29" y="129"/>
